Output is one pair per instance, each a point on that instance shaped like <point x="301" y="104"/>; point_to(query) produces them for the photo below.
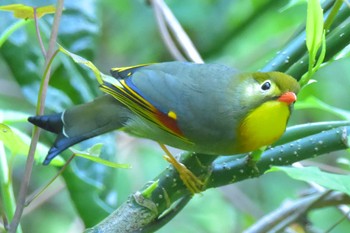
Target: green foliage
<point x="93" y="154"/>
<point x="12" y="141"/>
<point x="335" y="182"/>
<point x="314" y="28"/>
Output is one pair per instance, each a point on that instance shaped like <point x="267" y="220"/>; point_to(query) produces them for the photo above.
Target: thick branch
<point x="225" y="170"/>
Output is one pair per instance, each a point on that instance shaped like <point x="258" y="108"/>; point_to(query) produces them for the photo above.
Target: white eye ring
<point x="265" y="86"/>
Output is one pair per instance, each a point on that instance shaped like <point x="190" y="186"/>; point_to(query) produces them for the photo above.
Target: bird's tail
<point x="82" y="122"/>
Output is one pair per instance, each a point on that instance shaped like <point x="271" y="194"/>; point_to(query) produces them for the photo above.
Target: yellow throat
<point x="263" y="126"/>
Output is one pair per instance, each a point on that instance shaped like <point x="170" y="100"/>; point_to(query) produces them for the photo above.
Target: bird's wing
<point x="127" y="93"/>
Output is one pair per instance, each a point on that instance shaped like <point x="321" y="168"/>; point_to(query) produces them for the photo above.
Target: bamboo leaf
<point x="93" y="154"/>
<point x="80" y="60"/>
<point x="101" y="77"/>
<point x="314" y="27"/>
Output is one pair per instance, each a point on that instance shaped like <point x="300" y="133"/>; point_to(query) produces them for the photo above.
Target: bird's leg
<point x="254" y="157"/>
<point x="192" y="182"/>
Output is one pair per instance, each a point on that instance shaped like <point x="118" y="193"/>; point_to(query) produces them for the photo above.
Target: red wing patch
<point x="129" y="95"/>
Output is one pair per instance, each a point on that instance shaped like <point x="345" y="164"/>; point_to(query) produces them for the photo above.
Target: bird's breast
<point x="263" y="126"/>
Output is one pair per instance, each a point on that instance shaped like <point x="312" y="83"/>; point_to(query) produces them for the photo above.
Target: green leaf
<point x="80" y="60"/>
<point x="18" y="144"/>
<point x="315" y="36"/>
<point x="313" y="102"/>
<point x="12" y="141"/>
<point x="313" y="174"/>
<point x="93" y="154"/>
<point x="314" y="27"/>
<point x="101" y="77"/>
<point x="27" y="12"/>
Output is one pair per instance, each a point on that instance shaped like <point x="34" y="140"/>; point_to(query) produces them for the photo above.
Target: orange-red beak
<point x="288" y="97"/>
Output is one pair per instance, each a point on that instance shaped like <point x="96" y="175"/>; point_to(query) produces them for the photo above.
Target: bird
<point x="205" y="108"/>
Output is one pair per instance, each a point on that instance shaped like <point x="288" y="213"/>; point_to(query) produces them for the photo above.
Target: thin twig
<point x="25" y="182"/>
<point x="36" y="132"/>
<point x="36" y="203"/>
<point x="326" y="167"/>
<point x="181" y="36"/>
<point x="37" y="194"/>
<point x="240" y="201"/>
<point x="36" y="21"/>
<point x="168" y="41"/>
<point x="300" y="212"/>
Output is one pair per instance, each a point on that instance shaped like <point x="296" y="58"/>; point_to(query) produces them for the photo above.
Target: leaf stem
<point x="37" y="30"/>
<point x="9" y="201"/>
<point x="8" y="32"/>
<point x="332" y="15"/>
<point x="41" y="190"/>
<point x="36" y="132"/>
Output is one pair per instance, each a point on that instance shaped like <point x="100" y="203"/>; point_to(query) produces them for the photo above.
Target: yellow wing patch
<point x="172" y="115"/>
<point x="124" y="72"/>
<point x="139" y="105"/>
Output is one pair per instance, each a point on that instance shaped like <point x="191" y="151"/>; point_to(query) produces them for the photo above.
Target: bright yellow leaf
<point x="27" y="12"/>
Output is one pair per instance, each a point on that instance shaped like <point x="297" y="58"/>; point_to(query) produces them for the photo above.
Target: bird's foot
<point x="192" y="182"/>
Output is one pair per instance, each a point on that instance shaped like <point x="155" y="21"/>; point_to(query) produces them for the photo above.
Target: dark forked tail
<point x="54" y="124"/>
<point x="82" y="122"/>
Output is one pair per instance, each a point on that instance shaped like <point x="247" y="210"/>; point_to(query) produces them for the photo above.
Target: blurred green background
<point x="241" y="33"/>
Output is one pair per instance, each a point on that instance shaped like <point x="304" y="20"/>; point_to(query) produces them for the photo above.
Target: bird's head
<point x="261" y="87"/>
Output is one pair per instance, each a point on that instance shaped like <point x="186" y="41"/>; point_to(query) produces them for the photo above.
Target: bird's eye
<point x="266" y="85"/>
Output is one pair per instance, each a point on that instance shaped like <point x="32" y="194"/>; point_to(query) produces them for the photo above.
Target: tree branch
<point x="224" y="170"/>
<point x="279" y="219"/>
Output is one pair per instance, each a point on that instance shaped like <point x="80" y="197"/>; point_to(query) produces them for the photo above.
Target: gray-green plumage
<point x="208" y="100"/>
<point x="190" y="90"/>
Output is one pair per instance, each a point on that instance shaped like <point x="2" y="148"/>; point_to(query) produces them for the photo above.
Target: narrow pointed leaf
<point x="314" y="26"/>
<point x="80" y="60"/>
<point x="93" y="154"/>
